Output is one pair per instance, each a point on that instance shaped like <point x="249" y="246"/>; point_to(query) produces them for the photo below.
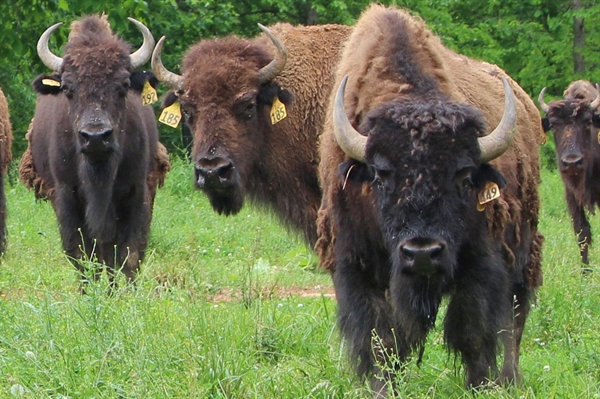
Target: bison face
<point x="226" y="93"/>
<point x="424" y="161"/>
<point x="575" y="128"/>
<point x="95" y="77"/>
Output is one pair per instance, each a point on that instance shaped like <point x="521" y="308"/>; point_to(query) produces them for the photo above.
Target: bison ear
<point x="596" y="120"/>
<point x="353" y="170"/>
<point x="47" y="84"/>
<point x="486" y="173"/>
<point x="138" y="79"/>
<point x="545" y="124"/>
<point x="267" y="95"/>
<point x="169" y="99"/>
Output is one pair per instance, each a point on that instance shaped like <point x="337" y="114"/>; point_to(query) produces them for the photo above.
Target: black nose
<point x="213" y="172"/>
<point x="572" y="160"/>
<point x="97" y="139"/>
<point x="422" y="255"/>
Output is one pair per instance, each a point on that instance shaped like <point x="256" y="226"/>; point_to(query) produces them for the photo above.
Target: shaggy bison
<point x="94" y="146"/>
<point x="575" y="122"/>
<point x="248" y="136"/>
<point x="430" y="190"/>
<point x="5" y="158"/>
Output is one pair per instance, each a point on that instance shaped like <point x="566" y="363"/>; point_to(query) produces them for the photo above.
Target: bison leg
<point x="477" y="312"/>
<point x="75" y="239"/>
<point x="511" y="337"/>
<point x="581" y="227"/>
<point x="3" y="233"/>
<point x="365" y="317"/>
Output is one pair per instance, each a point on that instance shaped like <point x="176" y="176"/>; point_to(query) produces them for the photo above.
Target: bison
<point x="5" y="158"/>
<point x="411" y="176"/>
<point x="231" y="91"/>
<point x="94" y="149"/>
<point x="575" y="123"/>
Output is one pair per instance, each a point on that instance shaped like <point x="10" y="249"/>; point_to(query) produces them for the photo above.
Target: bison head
<point x="95" y="75"/>
<point x="575" y="124"/>
<point x="427" y="158"/>
<point x="226" y="93"/>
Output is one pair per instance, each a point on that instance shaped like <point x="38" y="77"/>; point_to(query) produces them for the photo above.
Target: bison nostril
<point x="572" y="160"/>
<point x="213" y="172"/>
<point x="409" y="253"/>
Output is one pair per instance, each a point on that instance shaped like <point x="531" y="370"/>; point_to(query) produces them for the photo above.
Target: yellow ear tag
<point x="171" y="116"/>
<point x="490" y="192"/>
<point x="599" y="137"/>
<point x="51" y="82"/>
<point x="278" y="112"/>
<point x="149" y="95"/>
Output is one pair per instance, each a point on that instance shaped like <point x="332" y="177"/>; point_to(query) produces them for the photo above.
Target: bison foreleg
<point x="365" y="319"/>
<point x="581" y="227"/>
<point x="477" y="312"/>
<point x="511" y="337"/>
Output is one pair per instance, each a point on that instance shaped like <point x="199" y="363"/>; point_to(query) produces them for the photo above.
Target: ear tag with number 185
<point x="278" y="112"/>
<point x="171" y="116"/>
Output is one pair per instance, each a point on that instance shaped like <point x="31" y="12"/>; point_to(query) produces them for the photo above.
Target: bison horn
<point x="142" y="55"/>
<point x="545" y="107"/>
<point x="349" y="139"/>
<point x="52" y="61"/>
<point x="497" y="142"/>
<point x="594" y="104"/>
<point x="273" y="68"/>
<point x="169" y="78"/>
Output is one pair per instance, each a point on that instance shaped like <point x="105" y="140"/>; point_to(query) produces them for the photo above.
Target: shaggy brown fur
<point x="393" y="56"/>
<point x="102" y="189"/>
<point x="276" y="165"/>
<point x="5" y="158"/>
<point x="575" y="128"/>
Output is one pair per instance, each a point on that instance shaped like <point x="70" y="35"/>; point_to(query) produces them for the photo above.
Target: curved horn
<point x="594" y="104"/>
<point x="142" y="55"/>
<point x="349" y="139"/>
<point x="545" y="107"/>
<point x="497" y="142"/>
<point x="169" y="78"/>
<point x="273" y="68"/>
<point x="52" y="61"/>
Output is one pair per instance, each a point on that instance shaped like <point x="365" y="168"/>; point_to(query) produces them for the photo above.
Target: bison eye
<point x="250" y="110"/>
<point x="465" y="177"/>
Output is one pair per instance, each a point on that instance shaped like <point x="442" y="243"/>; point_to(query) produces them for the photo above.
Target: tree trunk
<point x="578" y="39"/>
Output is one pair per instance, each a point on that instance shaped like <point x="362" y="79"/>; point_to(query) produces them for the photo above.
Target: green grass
<point x="218" y="312"/>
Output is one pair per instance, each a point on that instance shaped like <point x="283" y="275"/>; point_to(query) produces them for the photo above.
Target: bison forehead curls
<point x="574" y="121"/>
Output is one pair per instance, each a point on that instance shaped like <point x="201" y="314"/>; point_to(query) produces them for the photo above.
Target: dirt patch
<point x="234" y="294"/>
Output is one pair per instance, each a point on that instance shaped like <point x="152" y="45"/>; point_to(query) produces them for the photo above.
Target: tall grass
<point x="220" y="311"/>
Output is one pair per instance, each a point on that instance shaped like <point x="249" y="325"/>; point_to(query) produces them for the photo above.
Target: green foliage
<point x="225" y="308"/>
<point x="530" y="39"/>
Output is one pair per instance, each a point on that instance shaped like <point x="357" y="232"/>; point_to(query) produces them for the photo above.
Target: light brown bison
<point x="575" y="122"/>
<point x="227" y="92"/>
<point x="94" y="146"/>
<point x="405" y="157"/>
<point x="5" y="158"/>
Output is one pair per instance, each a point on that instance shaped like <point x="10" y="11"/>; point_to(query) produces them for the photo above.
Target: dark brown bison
<point x="227" y="92"/>
<point x="406" y="155"/>
<point x="575" y="122"/>
<point x="94" y="146"/>
<point x="5" y="158"/>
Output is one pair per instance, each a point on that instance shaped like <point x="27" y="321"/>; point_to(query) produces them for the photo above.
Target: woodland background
<point x="538" y="42"/>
